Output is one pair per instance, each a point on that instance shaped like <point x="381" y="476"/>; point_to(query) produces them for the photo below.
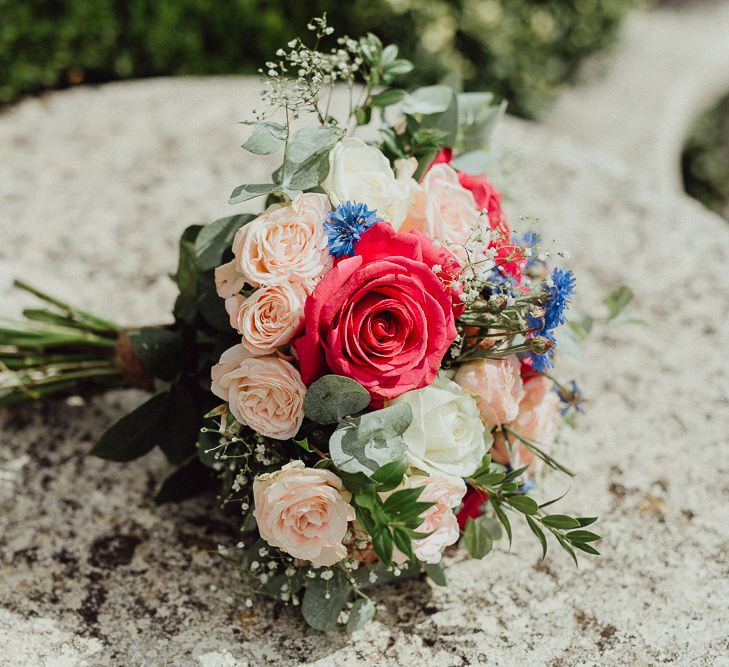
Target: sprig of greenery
<point x="502" y="489"/>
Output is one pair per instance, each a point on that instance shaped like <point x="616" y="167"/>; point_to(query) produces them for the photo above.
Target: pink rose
<point x="382" y="317"/>
<point x="304" y="512"/>
<point x="285" y="243"/>
<point x="264" y="393"/>
<point x="447" y="212"/>
<point x="496" y="385"/>
<point x="439" y="520"/>
<point x="538" y="417"/>
<point x="269" y="318"/>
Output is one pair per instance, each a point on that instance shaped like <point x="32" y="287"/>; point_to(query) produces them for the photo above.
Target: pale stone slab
<point x="96" y="186"/>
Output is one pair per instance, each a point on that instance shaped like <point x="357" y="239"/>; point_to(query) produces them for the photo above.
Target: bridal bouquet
<point x="364" y="370"/>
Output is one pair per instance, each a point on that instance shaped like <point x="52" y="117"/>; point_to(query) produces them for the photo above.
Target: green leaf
<point x="582" y="536"/>
<point x="474" y="162"/>
<point x="397" y="68"/>
<point x="478" y="118"/>
<point x="404" y="506"/>
<point x="363" y="611"/>
<point x="402" y="542"/>
<point x="366" y="443"/>
<point x="493" y="526"/>
<point x="503" y="519"/>
<point x="489" y="478"/>
<point x="387" y="97"/>
<point x="189" y="480"/>
<point x="523" y="504"/>
<point x="179" y="425"/>
<point x="382" y="544"/>
<point x="428" y="100"/>
<point x="319" y="611"/>
<point x="617" y="300"/>
<point x="355" y="482"/>
<point x="587" y="548"/>
<point x="539" y="533"/>
<point x="331" y="398"/>
<point x="390" y="475"/>
<point x="307" y="157"/>
<point x="159" y="350"/>
<point x="476" y="539"/>
<point x="586" y="520"/>
<point x="436" y="573"/>
<point x="245" y="192"/>
<point x="267" y="138"/>
<point x="186" y="276"/>
<point x="217" y="237"/>
<point x="304" y="444"/>
<point x="135" y="434"/>
<point x="561" y="521"/>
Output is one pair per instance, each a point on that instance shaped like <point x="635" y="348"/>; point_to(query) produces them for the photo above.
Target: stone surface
<point x="97" y="185"/>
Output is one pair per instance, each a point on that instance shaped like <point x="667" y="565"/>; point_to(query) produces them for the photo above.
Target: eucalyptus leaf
<point x="436" y="574"/>
<point x="217" y="237"/>
<point x="363" y="611"/>
<point x="307" y="157"/>
<point x="428" y="100"/>
<point x="475" y="162"/>
<point x="267" y="138"/>
<point x="319" y="611"/>
<point x="476" y="539"/>
<point x="331" y="398"/>
<point x="352" y="453"/>
<point x="478" y="118"/>
<point x="245" y="192"/>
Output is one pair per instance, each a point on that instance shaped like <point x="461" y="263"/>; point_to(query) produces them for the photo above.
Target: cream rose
<point x="446" y="433"/>
<point x="269" y="318"/>
<point x="496" y="385"/>
<point x="285" y="243"/>
<point x="265" y="393"/>
<point x="303" y="511"/>
<point x="361" y="173"/>
<point x="439" y="520"/>
<point x="445" y="210"/>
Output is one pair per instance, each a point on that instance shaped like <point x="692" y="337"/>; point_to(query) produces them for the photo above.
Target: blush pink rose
<point x="269" y="318"/>
<point x="264" y="393"/>
<point x="496" y="385"/>
<point x="304" y="512"/>
<point x="285" y="243"/>
<point x="538" y="417"/>
<point x="446" y="211"/>
<point x="440" y="521"/>
<point x="382" y="317"/>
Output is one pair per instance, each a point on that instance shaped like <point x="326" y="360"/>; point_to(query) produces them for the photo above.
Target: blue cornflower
<point x="561" y="287"/>
<point x="541" y="363"/>
<point x="346" y="225"/>
<point x="571" y="398"/>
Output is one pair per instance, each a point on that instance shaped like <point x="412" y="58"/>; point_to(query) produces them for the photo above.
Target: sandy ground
<point x="97" y="185"/>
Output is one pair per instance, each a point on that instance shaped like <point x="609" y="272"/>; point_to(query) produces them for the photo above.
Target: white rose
<point x="447" y="433"/>
<point x="361" y="173"/>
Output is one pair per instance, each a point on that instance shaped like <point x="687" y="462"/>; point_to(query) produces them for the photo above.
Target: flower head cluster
<point x="345" y="227"/>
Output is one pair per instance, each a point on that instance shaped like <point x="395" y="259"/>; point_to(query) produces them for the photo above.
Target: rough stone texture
<point x="97" y="185"/>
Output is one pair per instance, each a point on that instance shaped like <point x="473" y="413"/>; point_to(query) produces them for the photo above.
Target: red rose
<point x="382" y="317"/>
<point x="472" y="504"/>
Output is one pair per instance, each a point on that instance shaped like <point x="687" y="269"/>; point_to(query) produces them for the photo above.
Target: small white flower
<point x="327" y="575"/>
<point x="437" y="268"/>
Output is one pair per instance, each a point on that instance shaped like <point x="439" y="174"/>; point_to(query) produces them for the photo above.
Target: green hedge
<point x="705" y="159"/>
<point x="520" y="49"/>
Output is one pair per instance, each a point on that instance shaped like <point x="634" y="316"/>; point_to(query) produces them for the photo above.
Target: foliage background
<point x="519" y="49"/>
<point x="705" y="159"/>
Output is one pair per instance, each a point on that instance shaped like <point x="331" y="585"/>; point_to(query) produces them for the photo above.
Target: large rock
<point x="96" y="186"/>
